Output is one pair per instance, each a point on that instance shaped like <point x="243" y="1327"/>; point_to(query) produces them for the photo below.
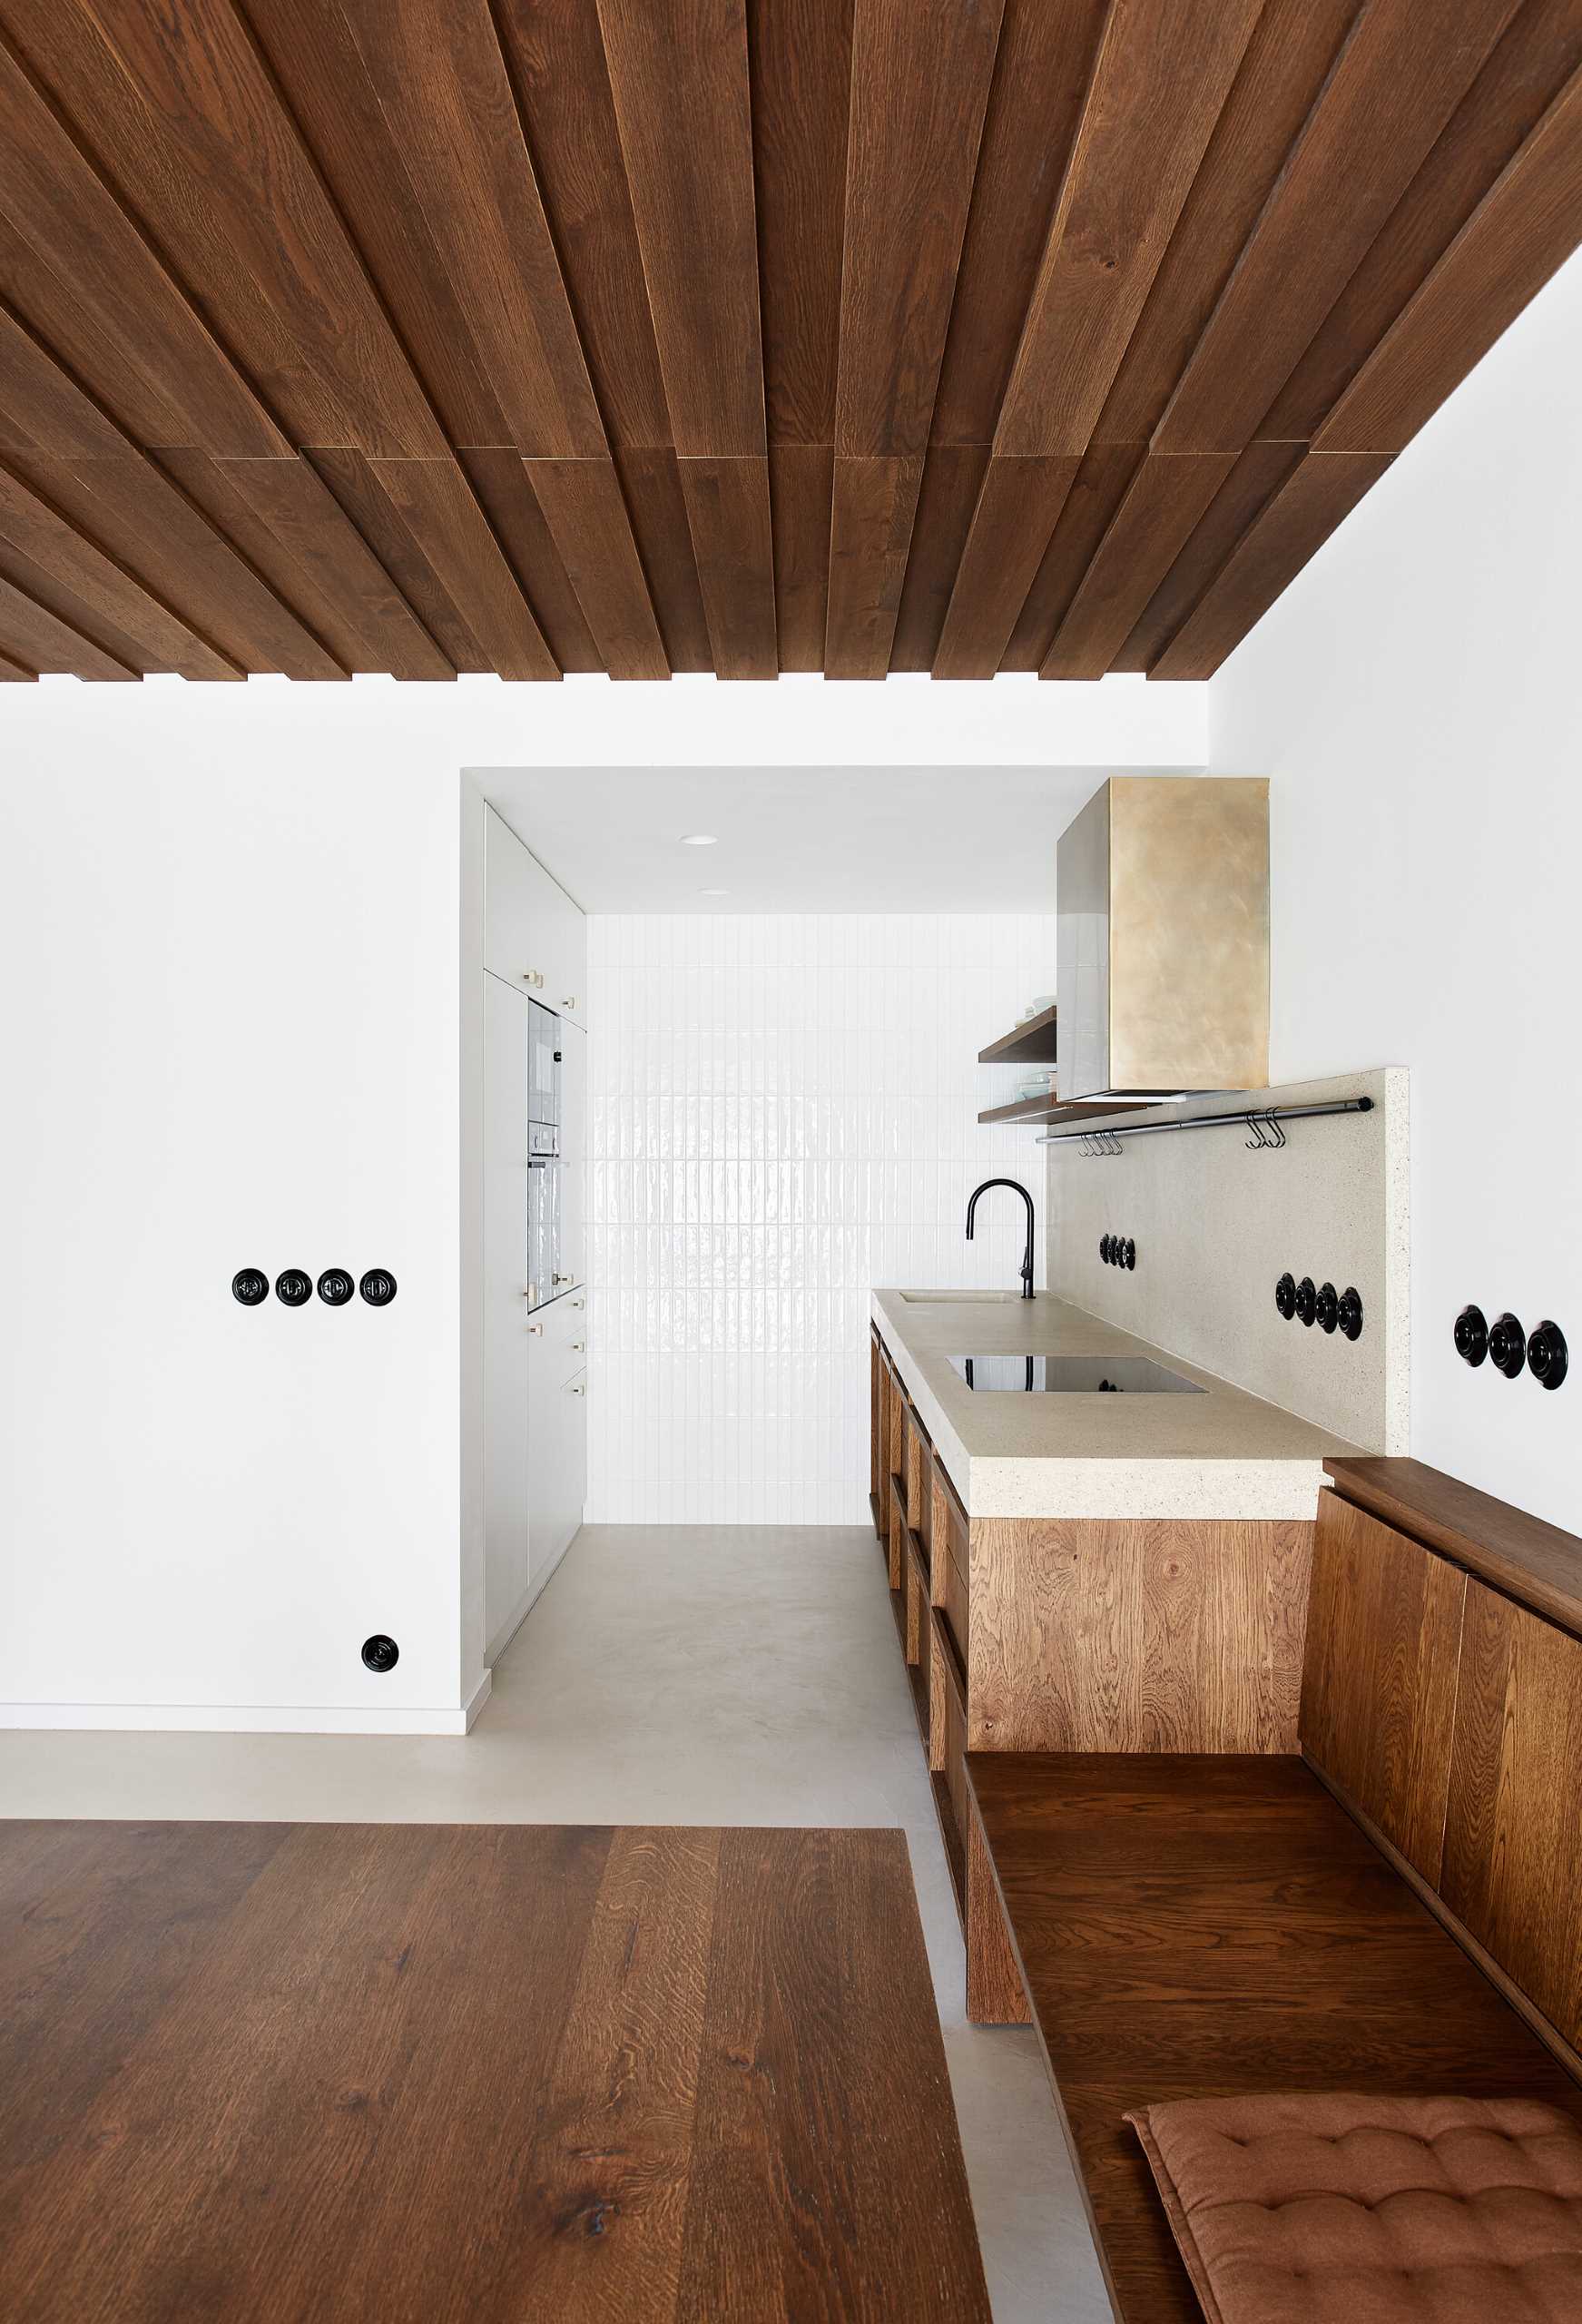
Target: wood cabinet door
<point x="1378" y="1675"/>
<point x="1513" y="1833"/>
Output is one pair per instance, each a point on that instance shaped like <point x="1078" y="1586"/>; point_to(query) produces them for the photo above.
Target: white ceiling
<point x="796" y="839"/>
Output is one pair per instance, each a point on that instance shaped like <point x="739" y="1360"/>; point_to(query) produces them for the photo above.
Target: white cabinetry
<point x="534" y="1359"/>
<point x="534" y="937"/>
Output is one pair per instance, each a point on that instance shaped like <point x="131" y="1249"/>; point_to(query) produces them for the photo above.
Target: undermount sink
<point x="1071" y="1375"/>
<point x="953" y="1298"/>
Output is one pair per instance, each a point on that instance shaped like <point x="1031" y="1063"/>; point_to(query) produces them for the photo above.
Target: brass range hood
<point x="1163" y="938"/>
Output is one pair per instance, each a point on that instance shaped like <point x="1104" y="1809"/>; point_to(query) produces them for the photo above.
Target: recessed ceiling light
<point x="700" y="838"/>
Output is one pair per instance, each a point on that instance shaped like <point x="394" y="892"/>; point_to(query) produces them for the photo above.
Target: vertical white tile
<point x="782" y="1114"/>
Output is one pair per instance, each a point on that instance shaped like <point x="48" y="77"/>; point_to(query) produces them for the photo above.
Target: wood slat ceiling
<point x="643" y="336"/>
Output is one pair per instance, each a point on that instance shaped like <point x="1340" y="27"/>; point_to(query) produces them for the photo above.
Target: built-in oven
<point x="545" y="1280"/>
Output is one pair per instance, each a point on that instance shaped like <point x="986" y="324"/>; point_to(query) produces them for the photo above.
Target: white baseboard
<point x="248" y="1718"/>
<point x="520" y="1611"/>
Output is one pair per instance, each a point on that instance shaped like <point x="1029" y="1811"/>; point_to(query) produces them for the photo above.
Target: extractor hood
<point x="1163" y="938"/>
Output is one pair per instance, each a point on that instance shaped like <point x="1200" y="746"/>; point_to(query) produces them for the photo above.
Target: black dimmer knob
<point x="293" y="1288"/>
<point x="251" y="1286"/>
<point x="377" y="1287"/>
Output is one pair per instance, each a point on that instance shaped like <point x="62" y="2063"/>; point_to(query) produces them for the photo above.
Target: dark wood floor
<point x="1201" y="1927"/>
<point x="412" y="2074"/>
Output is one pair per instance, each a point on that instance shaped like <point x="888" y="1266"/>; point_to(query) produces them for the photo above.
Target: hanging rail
<point x="1264" y="1121"/>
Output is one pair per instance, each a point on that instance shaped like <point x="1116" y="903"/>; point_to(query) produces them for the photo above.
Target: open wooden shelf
<point x="1029" y="1044"/>
<point x="1050" y="1110"/>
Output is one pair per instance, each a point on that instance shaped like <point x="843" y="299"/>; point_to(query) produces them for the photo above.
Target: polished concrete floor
<point x="668" y="1675"/>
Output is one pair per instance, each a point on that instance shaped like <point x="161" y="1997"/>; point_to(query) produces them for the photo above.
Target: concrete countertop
<point x="1221" y="1454"/>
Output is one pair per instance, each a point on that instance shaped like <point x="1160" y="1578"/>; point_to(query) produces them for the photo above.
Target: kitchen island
<point x="1118" y="1571"/>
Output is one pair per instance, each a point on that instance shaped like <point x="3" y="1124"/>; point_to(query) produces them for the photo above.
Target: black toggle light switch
<point x="293" y="1288"/>
<point x="251" y="1286"/>
<point x="336" y="1286"/>
<point x="377" y="1287"/>
<point x="1546" y="1354"/>
<point x="1508" y="1346"/>
<point x="380" y="1653"/>
<point x="1471" y="1336"/>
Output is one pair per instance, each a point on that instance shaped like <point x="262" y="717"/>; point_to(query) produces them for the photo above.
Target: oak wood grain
<point x="1513" y="1835"/>
<point x="650" y="478"/>
<point x="432" y="499"/>
<point x="1190" y="1926"/>
<point x="728" y="514"/>
<point x="1121" y="1635"/>
<point x="1162" y="73"/>
<point x="38" y="637"/>
<point x="409" y="2070"/>
<point x="801" y="486"/>
<point x="1321" y="491"/>
<point x="1158" y="512"/>
<point x="1258" y="475"/>
<point x="1103" y="476"/>
<point x="586" y="516"/>
<point x="1017" y="511"/>
<point x="952" y="479"/>
<point x="1379" y="1680"/>
<point x="503" y="489"/>
<point x="870" y="531"/>
<point x="800" y="53"/>
<point x="996" y="1995"/>
<point x="679" y="75"/>
<point x="1526" y="1556"/>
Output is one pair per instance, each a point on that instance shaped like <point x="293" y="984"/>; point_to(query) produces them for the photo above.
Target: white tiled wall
<point x="781" y="1114"/>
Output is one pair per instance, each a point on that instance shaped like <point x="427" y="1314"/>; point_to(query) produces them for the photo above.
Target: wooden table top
<point x="413" y="2072"/>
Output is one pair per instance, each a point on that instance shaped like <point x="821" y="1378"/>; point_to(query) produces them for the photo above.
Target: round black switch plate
<point x="1106" y="1243"/>
<point x="251" y="1286"/>
<point x="377" y="1287"/>
<point x="293" y="1289"/>
<point x="1285" y="1295"/>
<point x="1471" y="1336"/>
<point x="1306" y="1300"/>
<point x="1508" y="1346"/>
<point x="1128" y="1253"/>
<point x="380" y="1653"/>
<point x="1350" y="1312"/>
<point x="335" y="1286"/>
<point x="1328" y="1309"/>
<point x="1546" y="1354"/>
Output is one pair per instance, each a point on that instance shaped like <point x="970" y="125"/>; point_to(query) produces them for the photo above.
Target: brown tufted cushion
<point x="1351" y="2209"/>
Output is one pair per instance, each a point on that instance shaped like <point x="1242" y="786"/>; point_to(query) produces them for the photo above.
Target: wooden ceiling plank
<point x="1538" y="54"/>
<point x="499" y="480"/>
<point x="727" y="517"/>
<point x="13" y="674"/>
<point x="311" y="50"/>
<point x="953" y="477"/>
<point x="44" y="642"/>
<point x="34" y="526"/>
<point x="144" y="520"/>
<point x="920" y="75"/>
<point x="1288" y="59"/>
<point x="442" y="83"/>
<point x="651" y="479"/>
<point x="586" y="516"/>
<point x="1402" y="73"/>
<point x="1161" y="507"/>
<point x="1096" y="492"/>
<point x="292" y="530"/>
<point x="188" y="126"/>
<point x="434" y="501"/>
<point x="872" y="513"/>
<point x="1526" y="225"/>
<point x="679" y="76"/>
<point x="42" y="407"/>
<point x="1163" y="70"/>
<point x="800" y="57"/>
<point x="556" y="53"/>
<point x="1323" y="490"/>
<point x="76" y="263"/>
<point x="1041" y="74"/>
<point x="1259" y="474"/>
<point x="48" y="591"/>
<point x="349" y="477"/>
<point x="1017" y="511"/>
<point x="801" y="485"/>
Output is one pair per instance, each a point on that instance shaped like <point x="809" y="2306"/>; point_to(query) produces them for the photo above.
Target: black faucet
<point x="1026" y="1197"/>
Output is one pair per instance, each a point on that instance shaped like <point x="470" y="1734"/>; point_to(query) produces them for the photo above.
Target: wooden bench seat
<point x="1198" y="1926"/>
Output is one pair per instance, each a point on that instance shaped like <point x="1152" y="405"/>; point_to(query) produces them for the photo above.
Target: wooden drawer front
<point x="897" y="1533"/>
<point x="951" y="1726"/>
<point x="950" y="1527"/>
<point x="920" y="1472"/>
<point x="1379" y="1676"/>
<point x="1513" y="1836"/>
<point x="895" y="1427"/>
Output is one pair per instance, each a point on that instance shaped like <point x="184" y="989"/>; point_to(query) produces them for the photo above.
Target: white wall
<point x="782" y="1115"/>
<point x="1417" y="698"/>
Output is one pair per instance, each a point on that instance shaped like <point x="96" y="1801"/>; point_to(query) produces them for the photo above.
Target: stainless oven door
<point x="543" y="1209"/>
